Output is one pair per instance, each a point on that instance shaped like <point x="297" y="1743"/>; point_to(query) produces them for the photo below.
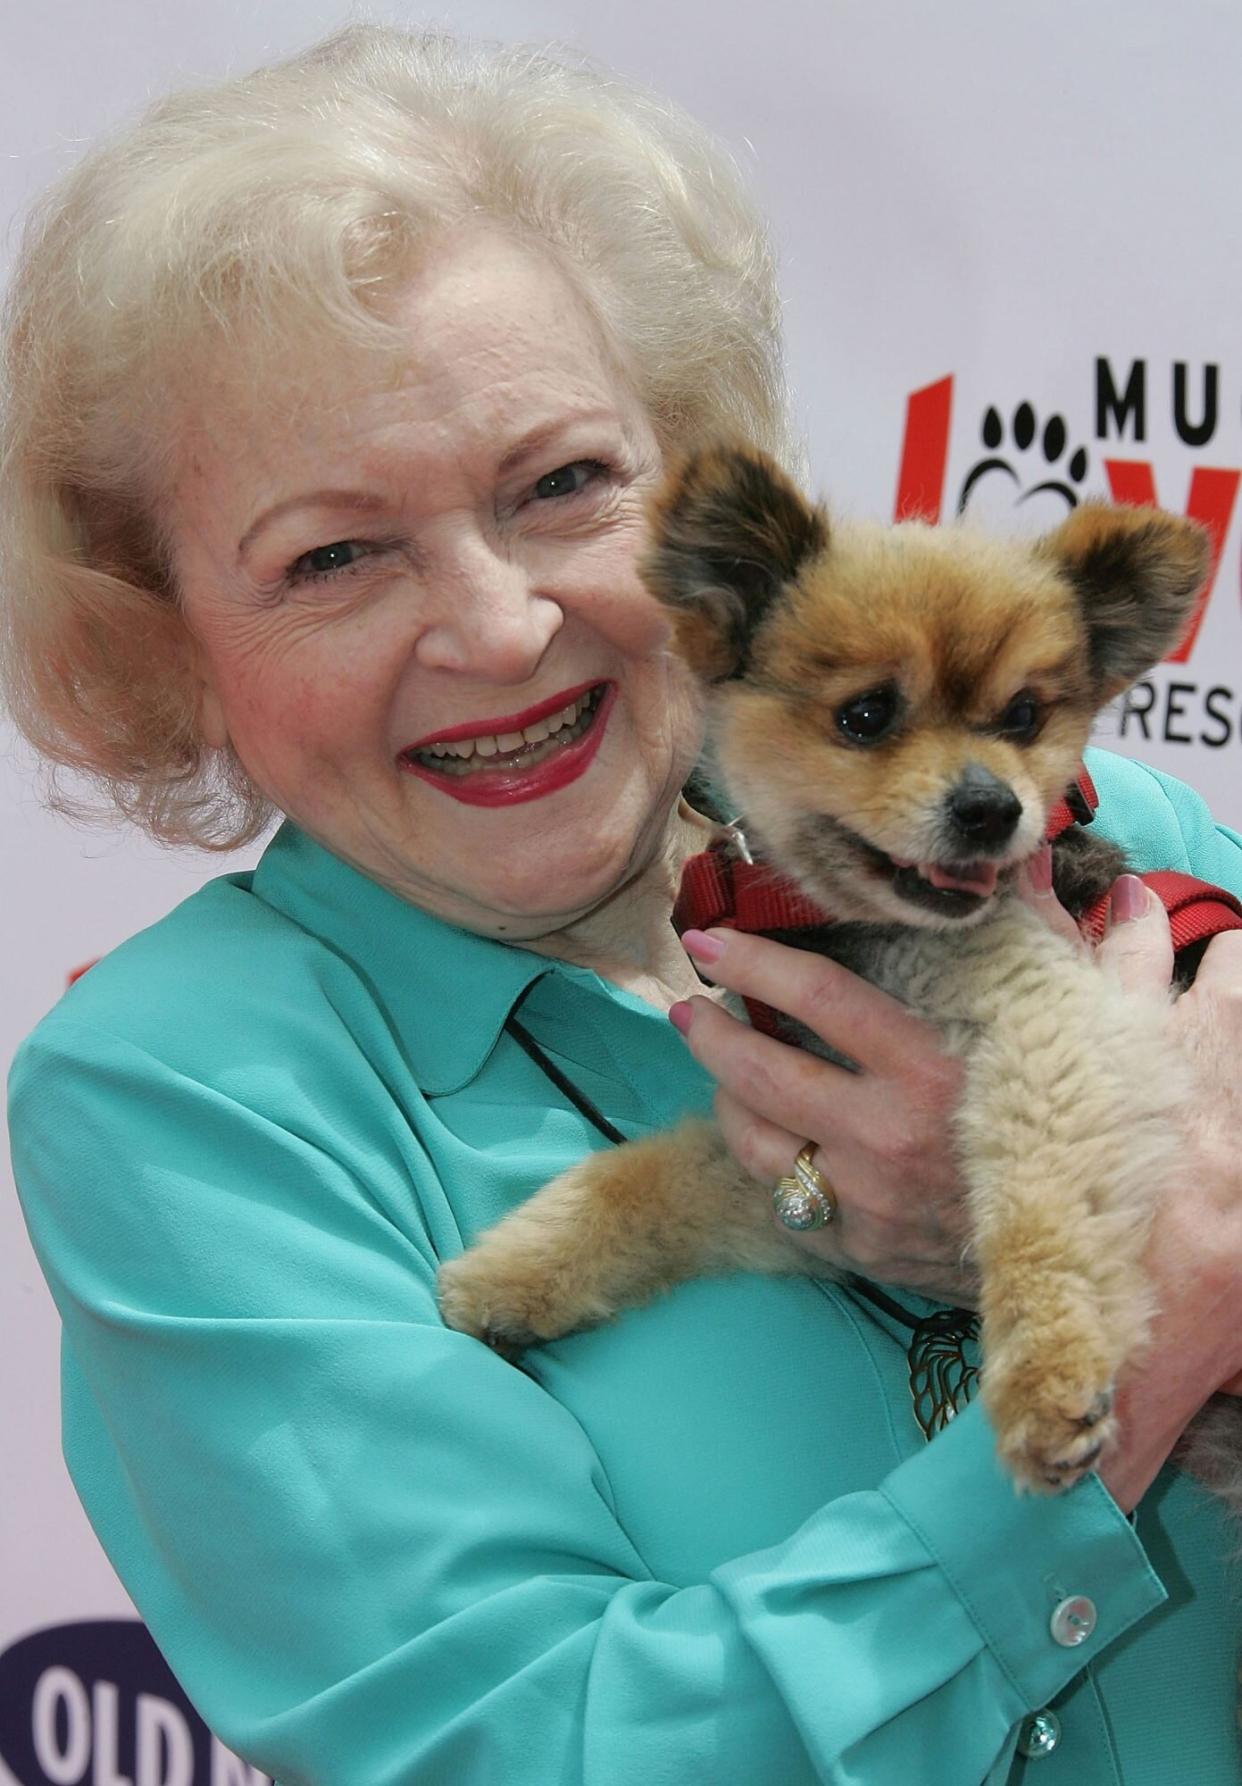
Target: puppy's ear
<point x="1136" y="572"/>
<point x="728" y="530"/>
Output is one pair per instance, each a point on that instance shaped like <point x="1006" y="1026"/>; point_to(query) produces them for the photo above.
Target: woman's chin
<point x="539" y="909"/>
<point x="552" y="890"/>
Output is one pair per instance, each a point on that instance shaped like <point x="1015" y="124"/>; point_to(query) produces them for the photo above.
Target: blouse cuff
<point x="1049" y="1581"/>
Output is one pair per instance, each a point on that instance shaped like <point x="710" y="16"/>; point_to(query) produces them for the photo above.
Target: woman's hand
<point x="1194" y="1256"/>
<point x="884" y="1134"/>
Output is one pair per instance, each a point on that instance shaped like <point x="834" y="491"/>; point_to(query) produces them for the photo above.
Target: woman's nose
<point x="491" y="620"/>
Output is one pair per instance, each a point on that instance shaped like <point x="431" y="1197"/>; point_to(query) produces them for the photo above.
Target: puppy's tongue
<point x="965" y="877"/>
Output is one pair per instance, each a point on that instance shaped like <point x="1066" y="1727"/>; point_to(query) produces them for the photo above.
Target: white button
<point x="1073" y="1621"/>
<point x="1039" y="1735"/>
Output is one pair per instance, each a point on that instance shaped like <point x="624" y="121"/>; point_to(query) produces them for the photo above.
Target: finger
<point x="1220" y="971"/>
<point x="863" y="1114"/>
<point x="768" y="1154"/>
<point x="1137" y="946"/>
<point x="853" y="1240"/>
<point x="762" y="1148"/>
<point x="793" y="1089"/>
<point x="856" y="1019"/>
<point x="1033" y="886"/>
<point x="786" y="1084"/>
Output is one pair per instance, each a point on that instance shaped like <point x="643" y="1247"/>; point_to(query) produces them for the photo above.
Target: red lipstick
<point x="509" y="783"/>
<point x="492" y="727"/>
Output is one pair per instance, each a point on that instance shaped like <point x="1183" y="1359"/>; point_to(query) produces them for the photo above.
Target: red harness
<point x="722" y="890"/>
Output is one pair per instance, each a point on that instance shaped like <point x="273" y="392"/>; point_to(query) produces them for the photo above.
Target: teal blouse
<point x="704" y="1543"/>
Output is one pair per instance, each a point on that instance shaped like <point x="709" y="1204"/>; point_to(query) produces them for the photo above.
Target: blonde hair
<point x="272" y="208"/>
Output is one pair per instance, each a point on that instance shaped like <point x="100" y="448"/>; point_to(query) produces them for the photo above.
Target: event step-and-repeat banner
<point x="1011" y="278"/>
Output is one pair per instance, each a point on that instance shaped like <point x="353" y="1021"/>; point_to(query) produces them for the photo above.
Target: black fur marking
<point x="1084" y="865"/>
<point x="729" y="533"/>
<point x="703" y="793"/>
<point x="1135" y="590"/>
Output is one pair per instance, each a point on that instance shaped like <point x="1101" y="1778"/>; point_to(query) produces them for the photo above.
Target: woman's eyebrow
<point x="544" y="432"/>
<point x="361" y="501"/>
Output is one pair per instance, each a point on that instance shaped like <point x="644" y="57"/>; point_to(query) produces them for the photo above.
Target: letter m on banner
<point x="1213" y="492"/>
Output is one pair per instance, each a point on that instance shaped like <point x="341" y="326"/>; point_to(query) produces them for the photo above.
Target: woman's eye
<point x="325" y="561"/>
<point x="568" y="480"/>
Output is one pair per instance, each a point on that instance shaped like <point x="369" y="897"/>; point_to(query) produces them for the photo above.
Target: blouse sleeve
<point x="1162" y="823"/>
<point x="376" y="1555"/>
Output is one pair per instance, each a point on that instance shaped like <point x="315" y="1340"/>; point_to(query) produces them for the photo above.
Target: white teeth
<point x="505" y="743"/>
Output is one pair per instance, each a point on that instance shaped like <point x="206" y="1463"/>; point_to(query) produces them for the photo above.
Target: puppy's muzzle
<point x="982" y="810"/>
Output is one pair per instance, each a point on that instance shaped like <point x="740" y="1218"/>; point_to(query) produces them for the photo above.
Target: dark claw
<point x="1099" y="1409"/>
<point x="1080" y="1465"/>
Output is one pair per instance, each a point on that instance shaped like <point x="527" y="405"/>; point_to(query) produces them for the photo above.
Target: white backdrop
<point x="990" y="220"/>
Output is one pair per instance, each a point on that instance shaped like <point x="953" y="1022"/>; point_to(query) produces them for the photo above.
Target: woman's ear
<point x="728" y="532"/>
<point x="1135" y="573"/>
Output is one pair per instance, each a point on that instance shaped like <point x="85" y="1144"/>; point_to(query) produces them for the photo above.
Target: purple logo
<point x="96" y="1703"/>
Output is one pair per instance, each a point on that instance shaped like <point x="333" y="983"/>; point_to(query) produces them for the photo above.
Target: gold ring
<point x="804" y="1199"/>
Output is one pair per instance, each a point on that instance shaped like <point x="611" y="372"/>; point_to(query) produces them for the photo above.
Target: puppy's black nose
<point x="982" y="808"/>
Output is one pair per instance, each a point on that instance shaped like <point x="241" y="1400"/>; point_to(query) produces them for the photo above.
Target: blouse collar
<point x="446" y="990"/>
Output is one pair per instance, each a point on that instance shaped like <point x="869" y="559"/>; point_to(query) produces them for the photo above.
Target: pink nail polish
<point x="681" y="1016"/>
<point x="699" y="946"/>
<point x="1129" y="899"/>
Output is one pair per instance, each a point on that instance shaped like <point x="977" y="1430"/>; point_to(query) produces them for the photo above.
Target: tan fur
<point x="615" y="1230"/>
<point x="1068" y="1128"/>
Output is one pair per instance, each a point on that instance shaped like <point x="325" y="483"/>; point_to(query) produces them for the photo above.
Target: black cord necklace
<point x="941" y="1380"/>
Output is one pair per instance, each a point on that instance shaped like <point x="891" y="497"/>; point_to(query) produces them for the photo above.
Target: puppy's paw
<point x="477" y="1299"/>
<point x="509" y="1300"/>
<point x="547" y="1269"/>
<point x="1052" y="1407"/>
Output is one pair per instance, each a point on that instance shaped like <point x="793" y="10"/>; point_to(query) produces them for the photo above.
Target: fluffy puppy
<point x="896" y="710"/>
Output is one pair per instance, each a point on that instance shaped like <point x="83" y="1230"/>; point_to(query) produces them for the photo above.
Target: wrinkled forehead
<point x="483" y="317"/>
<point x="489" y="353"/>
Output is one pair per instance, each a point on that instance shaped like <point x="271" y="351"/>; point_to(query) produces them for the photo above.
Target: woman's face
<point x="405" y="587"/>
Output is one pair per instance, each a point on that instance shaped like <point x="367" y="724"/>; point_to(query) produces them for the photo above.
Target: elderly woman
<point x="334" y="398"/>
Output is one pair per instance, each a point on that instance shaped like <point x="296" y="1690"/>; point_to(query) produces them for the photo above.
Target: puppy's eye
<point x="868" y="718"/>
<point x="1021" y="719"/>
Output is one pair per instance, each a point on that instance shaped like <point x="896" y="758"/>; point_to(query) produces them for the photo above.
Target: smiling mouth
<point x="511" y="752"/>
<point x="953" y="889"/>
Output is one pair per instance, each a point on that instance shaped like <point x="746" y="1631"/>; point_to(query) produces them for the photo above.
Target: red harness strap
<point x="719" y="890"/>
